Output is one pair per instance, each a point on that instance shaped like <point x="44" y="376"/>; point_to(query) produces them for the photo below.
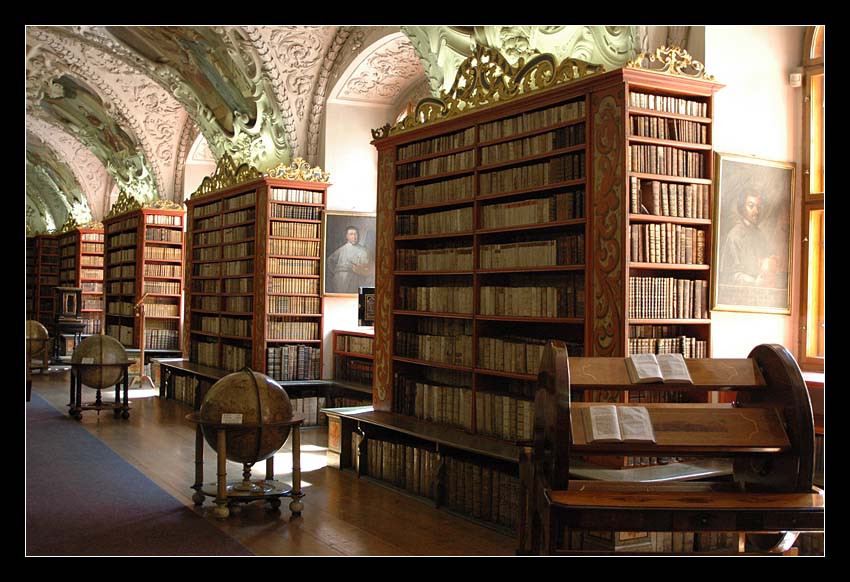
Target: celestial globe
<point x="251" y="399"/>
<point x="36" y="338"/>
<point x="107" y="353"/>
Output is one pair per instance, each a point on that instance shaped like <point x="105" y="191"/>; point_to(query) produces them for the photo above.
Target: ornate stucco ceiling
<point x="119" y="108"/>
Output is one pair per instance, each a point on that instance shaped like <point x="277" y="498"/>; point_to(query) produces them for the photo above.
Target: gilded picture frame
<point x="753" y="224"/>
<point x="348" y="266"/>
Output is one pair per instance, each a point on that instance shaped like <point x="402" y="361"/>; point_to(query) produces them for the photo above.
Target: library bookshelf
<point x="31" y="276"/>
<point x="353" y="361"/>
<point x="46" y="279"/>
<point x="509" y="220"/>
<point x="253" y="270"/>
<point x="144" y="262"/>
<point x="81" y="265"/>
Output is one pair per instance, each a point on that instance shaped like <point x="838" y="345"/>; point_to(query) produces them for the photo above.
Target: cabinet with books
<point x="254" y="269"/>
<point x="81" y="265"/>
<point x="505" y="221"/>
<point x="46" y="279"/>
<point x="353" y="361"/>
<point x="144" y="263"/>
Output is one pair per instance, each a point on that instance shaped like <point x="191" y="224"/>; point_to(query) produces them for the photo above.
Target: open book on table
<point x="666" y="368"/>
<point x="607" y="423"/>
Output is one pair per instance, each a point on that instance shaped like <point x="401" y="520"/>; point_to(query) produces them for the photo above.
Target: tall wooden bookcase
<point x="505" y="219"/>
<point x="31" y="276"/>
<point x="353" y="361"/>
<point x="144" y="260"/>
<point x="81" y="265"/>
<point x="254" y="266"/>
<point x="46" y="279"/>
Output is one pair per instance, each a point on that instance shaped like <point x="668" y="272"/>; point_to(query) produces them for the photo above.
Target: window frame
<point x="812" y="202"/>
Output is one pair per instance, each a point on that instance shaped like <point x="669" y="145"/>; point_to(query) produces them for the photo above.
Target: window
<point x="812" y="318"/>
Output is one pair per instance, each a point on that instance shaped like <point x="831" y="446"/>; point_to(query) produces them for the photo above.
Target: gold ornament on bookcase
<point x="299" y="170"/>
<point x="487" y="78"/>
<point x="93" y="225"/>
<point x="672" y="60"/>
<point x="124" y="203"/>
<point x="70" y="224"/>
<point x="165" y="205"/>
<point x="226" y="174"/>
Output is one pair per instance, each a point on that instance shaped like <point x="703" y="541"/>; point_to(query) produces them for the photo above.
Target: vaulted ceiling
<point x="114" y="109"/>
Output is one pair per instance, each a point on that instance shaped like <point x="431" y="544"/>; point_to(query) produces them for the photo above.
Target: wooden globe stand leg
<point x="296" y="506"/>
<point x="198" y="496"/>
<point x="221" y="510"/>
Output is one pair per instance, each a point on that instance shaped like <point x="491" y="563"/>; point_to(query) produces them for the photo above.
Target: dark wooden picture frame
<point x="752" y="254"/>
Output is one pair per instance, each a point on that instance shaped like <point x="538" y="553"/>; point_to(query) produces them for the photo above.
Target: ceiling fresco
<point x="134" y="98"/>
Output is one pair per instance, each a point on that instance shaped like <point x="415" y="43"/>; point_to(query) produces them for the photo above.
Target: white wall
<point x="758" y="114"/>
<point x="352" y="162"/>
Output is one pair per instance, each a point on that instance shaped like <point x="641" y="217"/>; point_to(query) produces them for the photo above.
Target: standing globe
<point x="107" y="354"/>
<point x="36" y="338"/>
<point x="252" y="399"/>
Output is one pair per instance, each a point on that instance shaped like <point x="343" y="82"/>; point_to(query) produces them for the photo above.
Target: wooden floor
<point x="343" y="514"/>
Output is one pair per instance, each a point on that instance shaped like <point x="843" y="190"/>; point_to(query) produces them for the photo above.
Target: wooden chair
<point x="768" y="434"/>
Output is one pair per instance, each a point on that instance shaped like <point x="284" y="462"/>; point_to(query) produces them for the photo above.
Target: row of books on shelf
<point x="433" y="166"/>
<point x="163" y="253"/>
<point x="162" y="339"/>
<point x="169" y="219"/>
<point x="91" y="287"/>
<point x="91" y="303"/>
<point x="480" y="491"/>
<point x="129" y="223"/>
<point x="163" y="234"/>
<point x="667" y="298"/>
<point x="121" y="272"/>
<point x="300" y="248"/>
<point x="161" y="309"/>
<point x="68" y="250"/>
<point x="230" y="326"/>
<point x="284" y="211"/>
<point x="161" y="287"/>
<point x="532" y="120"/>
<point x="553" y="171"/>
<point x="442" y="299"/>
<point x="122" y="333"/>
<point x="667" y="160"/>
<point x="563" y="137"/>
<point x="668" y="104"/>
<point x="566" y="205"/>
<point x="279" y="266"/>
<point x="294" y="362"/>
<point x="667" y="243"/>
<point x="286" y="304"/>
<point x="92" y="247"/>
<point x="163" y="270"/>
<point x="567" y="299"/>
<point x="91" y="260"/>
<point x="518" y="355"/>
<point x="441" y="143"/>
<point x="292" y="328"/>
<point x="432" y="402"/>
<point x="563" y="250"/>
<point x="689" y="347"/>
<point x="121" y="256"/>
<point x="668" y="199"/>
<point x="650" y="542"/>
<point x="92" y="324"/>
<point x="441" y="191"/>
<point x="669" y="129"/>
<point x="446" y="349"/>
<point x="504" y="416"/>
<point x="121" y="240"/>
<point x="445" y="222"/>
<point x="223" y="355"/>
<point x="91" y="274"/>
<point x="356" y="371"/>
<point x="297" y="195"/>
<point x="355" y="344"/>
<point x="309" y="407"/>
<point x="452" y="258"/>
<point x="91" y="236"/>
<point x="295" y="229"/>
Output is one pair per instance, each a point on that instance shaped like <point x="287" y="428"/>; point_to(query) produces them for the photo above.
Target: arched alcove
<point x="199" y="164"/>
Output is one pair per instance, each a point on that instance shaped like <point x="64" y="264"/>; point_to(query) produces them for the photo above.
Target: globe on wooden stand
<point x="99" y="361"/>
<point x="246" y="418"/>
<point x="37" y="339"/>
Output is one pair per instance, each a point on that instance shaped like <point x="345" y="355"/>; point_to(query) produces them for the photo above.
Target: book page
<point x="601" y="425"/>
<point x="643" y="368"/>
<point x="674" y="369"/>
<point x="635" y="424"/>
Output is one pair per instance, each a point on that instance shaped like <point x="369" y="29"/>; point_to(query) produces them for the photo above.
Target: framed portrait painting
<point x="349" y="261"/>
<point x="751" y="258"/>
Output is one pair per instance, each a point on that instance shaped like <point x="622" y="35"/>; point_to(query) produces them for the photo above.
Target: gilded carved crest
<point x="487" y="78"/>
<point x="299" y="170"/>
<point x="226" y="175"/>
<point x="671" y="60"/>
<point x="70" y="224"/>
<point x="124" y="203"/>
